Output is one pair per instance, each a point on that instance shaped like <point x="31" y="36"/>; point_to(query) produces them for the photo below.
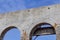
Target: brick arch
<point x="6" y="30"/>
<point x="38" y="26"/>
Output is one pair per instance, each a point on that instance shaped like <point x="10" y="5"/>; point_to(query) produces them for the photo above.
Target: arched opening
<point x="41" y="30"/>
<point x="11" y="33"/>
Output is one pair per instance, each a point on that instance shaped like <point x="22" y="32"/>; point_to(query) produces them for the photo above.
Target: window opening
<point x="42" y="29"/>
<point x="11" y="33"/>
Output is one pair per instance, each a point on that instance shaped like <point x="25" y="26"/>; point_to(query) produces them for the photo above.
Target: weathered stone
<point x="27" y="19"/>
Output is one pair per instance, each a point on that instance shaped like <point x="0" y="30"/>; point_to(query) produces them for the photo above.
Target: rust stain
<point x="24" y="35"/>
<point x="55" y="25"/>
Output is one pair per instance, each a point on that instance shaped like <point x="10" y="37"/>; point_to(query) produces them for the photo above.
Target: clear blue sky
<point x="46" y="37"/>
<point x="14" y="5"/>
<point x="14" y="34"/>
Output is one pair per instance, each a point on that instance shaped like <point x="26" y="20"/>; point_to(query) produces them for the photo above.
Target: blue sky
<point x="46" y="37"/>
<point x="14" y="5"/>
<point x="14" y="34"/>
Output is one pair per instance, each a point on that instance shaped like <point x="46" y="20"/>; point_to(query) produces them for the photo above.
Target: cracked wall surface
<point x="25" y="20"/>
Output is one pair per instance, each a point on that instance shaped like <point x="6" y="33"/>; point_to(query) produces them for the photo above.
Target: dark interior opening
<point x="42" y="29"/>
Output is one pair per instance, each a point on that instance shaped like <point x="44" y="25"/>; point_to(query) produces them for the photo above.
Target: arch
<point x="6" y="30"/>
<point x="38" y="28"/>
